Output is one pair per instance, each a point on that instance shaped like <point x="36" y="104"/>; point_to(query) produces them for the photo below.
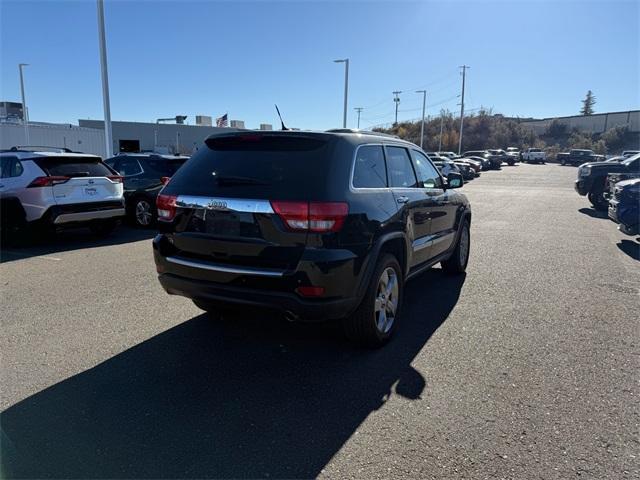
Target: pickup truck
<point x="577" y="156"/>
<point x="533" y="155"/>
<point x="593" y="177"/>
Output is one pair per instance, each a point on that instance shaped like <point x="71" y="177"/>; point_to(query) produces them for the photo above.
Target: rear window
<point x="73" y="166"/>
<point x="256" y="166"/>
<point x="166" y="167"/>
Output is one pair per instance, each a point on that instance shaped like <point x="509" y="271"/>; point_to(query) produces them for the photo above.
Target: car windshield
<point x="629" y="160"/>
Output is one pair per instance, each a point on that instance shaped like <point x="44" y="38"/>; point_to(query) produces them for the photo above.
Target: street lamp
<point x="346" y="89"/>
<point x="105" y="80"/>
<point x="25" y="114"/>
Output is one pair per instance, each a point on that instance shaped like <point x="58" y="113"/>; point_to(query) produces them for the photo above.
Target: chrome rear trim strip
<point x="245" y="205"/>
<point x="226" y="269"/>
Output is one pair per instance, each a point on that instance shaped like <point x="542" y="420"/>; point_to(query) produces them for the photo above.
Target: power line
<point x="358" y="109"/>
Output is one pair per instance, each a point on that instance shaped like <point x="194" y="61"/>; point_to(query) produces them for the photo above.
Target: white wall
<point x="78" y="139"/>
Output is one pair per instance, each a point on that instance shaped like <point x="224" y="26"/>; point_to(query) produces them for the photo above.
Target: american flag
<point x="222" y="121"/>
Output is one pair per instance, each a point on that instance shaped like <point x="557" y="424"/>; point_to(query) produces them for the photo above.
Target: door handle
<point x="402" y="199"/>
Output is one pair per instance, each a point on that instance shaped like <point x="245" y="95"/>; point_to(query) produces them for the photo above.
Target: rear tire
<point x="598" y="200"/>
<point x="457" y="262"/>
<point x="376" y="318"/>
<point x="143" y="212"/>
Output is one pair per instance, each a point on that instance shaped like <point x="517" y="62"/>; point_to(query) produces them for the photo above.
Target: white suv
<point x="58" y="188"/>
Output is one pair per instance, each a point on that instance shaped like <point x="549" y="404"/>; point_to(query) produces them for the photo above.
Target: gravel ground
<point x="525" y="368"/>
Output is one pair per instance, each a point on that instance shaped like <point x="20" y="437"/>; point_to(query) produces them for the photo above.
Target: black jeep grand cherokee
<point x="316" y="225"/>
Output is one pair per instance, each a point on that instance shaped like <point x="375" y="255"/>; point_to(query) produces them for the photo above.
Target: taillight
<point x="310" y="291"/>
<point x="312" y="216"/>
<point x="48" y="181"/>
<point x="116" y="178"/>
<point x="164" y="180"/>
<point x="166" y="205"/>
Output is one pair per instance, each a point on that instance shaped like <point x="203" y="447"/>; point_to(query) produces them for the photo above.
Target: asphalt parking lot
<point x="527" y="367"/>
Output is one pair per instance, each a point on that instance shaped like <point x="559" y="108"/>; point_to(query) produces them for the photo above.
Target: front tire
<point x="457" y="262"/>
<point x="375" y="320"/>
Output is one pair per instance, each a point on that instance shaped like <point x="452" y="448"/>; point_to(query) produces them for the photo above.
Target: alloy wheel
<point x="143" y="213"/>
<point x="386" y="302"/>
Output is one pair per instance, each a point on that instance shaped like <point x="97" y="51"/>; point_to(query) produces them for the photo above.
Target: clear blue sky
<point x="211" y="57"/>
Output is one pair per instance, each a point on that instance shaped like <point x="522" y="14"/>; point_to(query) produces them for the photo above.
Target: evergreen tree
<point x="588" y="103"/>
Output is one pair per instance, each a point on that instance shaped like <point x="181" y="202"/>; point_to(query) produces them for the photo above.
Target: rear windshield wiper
<point x="233" y="180"/>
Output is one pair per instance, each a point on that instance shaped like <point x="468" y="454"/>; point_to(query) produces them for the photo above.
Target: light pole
<point x="105" y="80"/>
<point x="424" y="104"/>
<point x="346" y="89"/>
<point x="396" y="99"/>
<point x="359" y="110"/>
<point x="25" y="114"/>
<point x="441" y="123"/>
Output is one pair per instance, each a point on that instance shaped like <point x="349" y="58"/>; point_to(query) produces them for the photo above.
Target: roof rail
<point x="36" y="148"/>
<point x="362" y="132"/>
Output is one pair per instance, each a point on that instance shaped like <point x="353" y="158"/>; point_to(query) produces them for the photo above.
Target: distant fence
<point x="80" y="139"/>
<point x="596" y="123"/>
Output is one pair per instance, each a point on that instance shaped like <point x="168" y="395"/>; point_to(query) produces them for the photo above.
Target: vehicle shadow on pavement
<point x="592" y="212"/>
<point x="630" y="247"/>
<point x="73" y="239"/>
<point x="247" y="398"/>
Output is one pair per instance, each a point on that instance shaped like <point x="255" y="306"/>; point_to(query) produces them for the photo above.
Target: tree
<point x="588" y="103"/>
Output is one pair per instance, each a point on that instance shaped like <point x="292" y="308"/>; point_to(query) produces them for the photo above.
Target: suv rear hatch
<point x="76" y="179"/>
<point x="246" y="199"/>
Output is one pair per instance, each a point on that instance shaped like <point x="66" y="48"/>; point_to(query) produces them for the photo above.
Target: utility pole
<point x="424" y="104"/>
<point x="441" y="124"/>
<point x="358" y="109"/>
<point x="396" y="99"/>
<point x="464" y="70"/>
<point x="25" y="113"/>
<point x="105" y="80"/>
<point x="346" y="89"/>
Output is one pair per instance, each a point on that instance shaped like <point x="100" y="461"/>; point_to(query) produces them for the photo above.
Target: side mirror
<point x="454" y="180"/>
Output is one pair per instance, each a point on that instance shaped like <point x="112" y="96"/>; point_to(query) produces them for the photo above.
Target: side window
<point x="427" y="174"/>
<point x="399" y="167"/>
<point x="129" y="167"/>
<point x="11" y="167"/>
<point x="369" y="170"/>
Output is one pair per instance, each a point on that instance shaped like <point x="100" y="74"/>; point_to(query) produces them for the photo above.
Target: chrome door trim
<point x="226" y="269"/>
<point x="244" y="205"/>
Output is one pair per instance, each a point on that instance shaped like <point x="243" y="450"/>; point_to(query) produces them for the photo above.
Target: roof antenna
<point x="281" y="122"/>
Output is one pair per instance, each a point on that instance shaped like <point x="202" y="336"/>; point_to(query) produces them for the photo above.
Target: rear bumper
<point x="87" y="216"/>
<point x="338" y="271"/>
<point x="61" y="215"/>
<point x="284" y="303"/>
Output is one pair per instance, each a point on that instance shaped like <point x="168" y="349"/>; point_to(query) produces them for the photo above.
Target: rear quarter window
<point x="369" y="170"/>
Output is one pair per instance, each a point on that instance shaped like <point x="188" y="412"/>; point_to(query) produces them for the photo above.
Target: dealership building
<point x="88" y="136"/>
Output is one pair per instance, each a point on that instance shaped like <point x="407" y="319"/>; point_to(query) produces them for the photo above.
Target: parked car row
<point x="45" y="188"/>
<point x="613" y="187"/>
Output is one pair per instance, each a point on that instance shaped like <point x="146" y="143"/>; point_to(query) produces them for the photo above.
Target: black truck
<point x="578" y="156"/>
<point x="592" y="179"/>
